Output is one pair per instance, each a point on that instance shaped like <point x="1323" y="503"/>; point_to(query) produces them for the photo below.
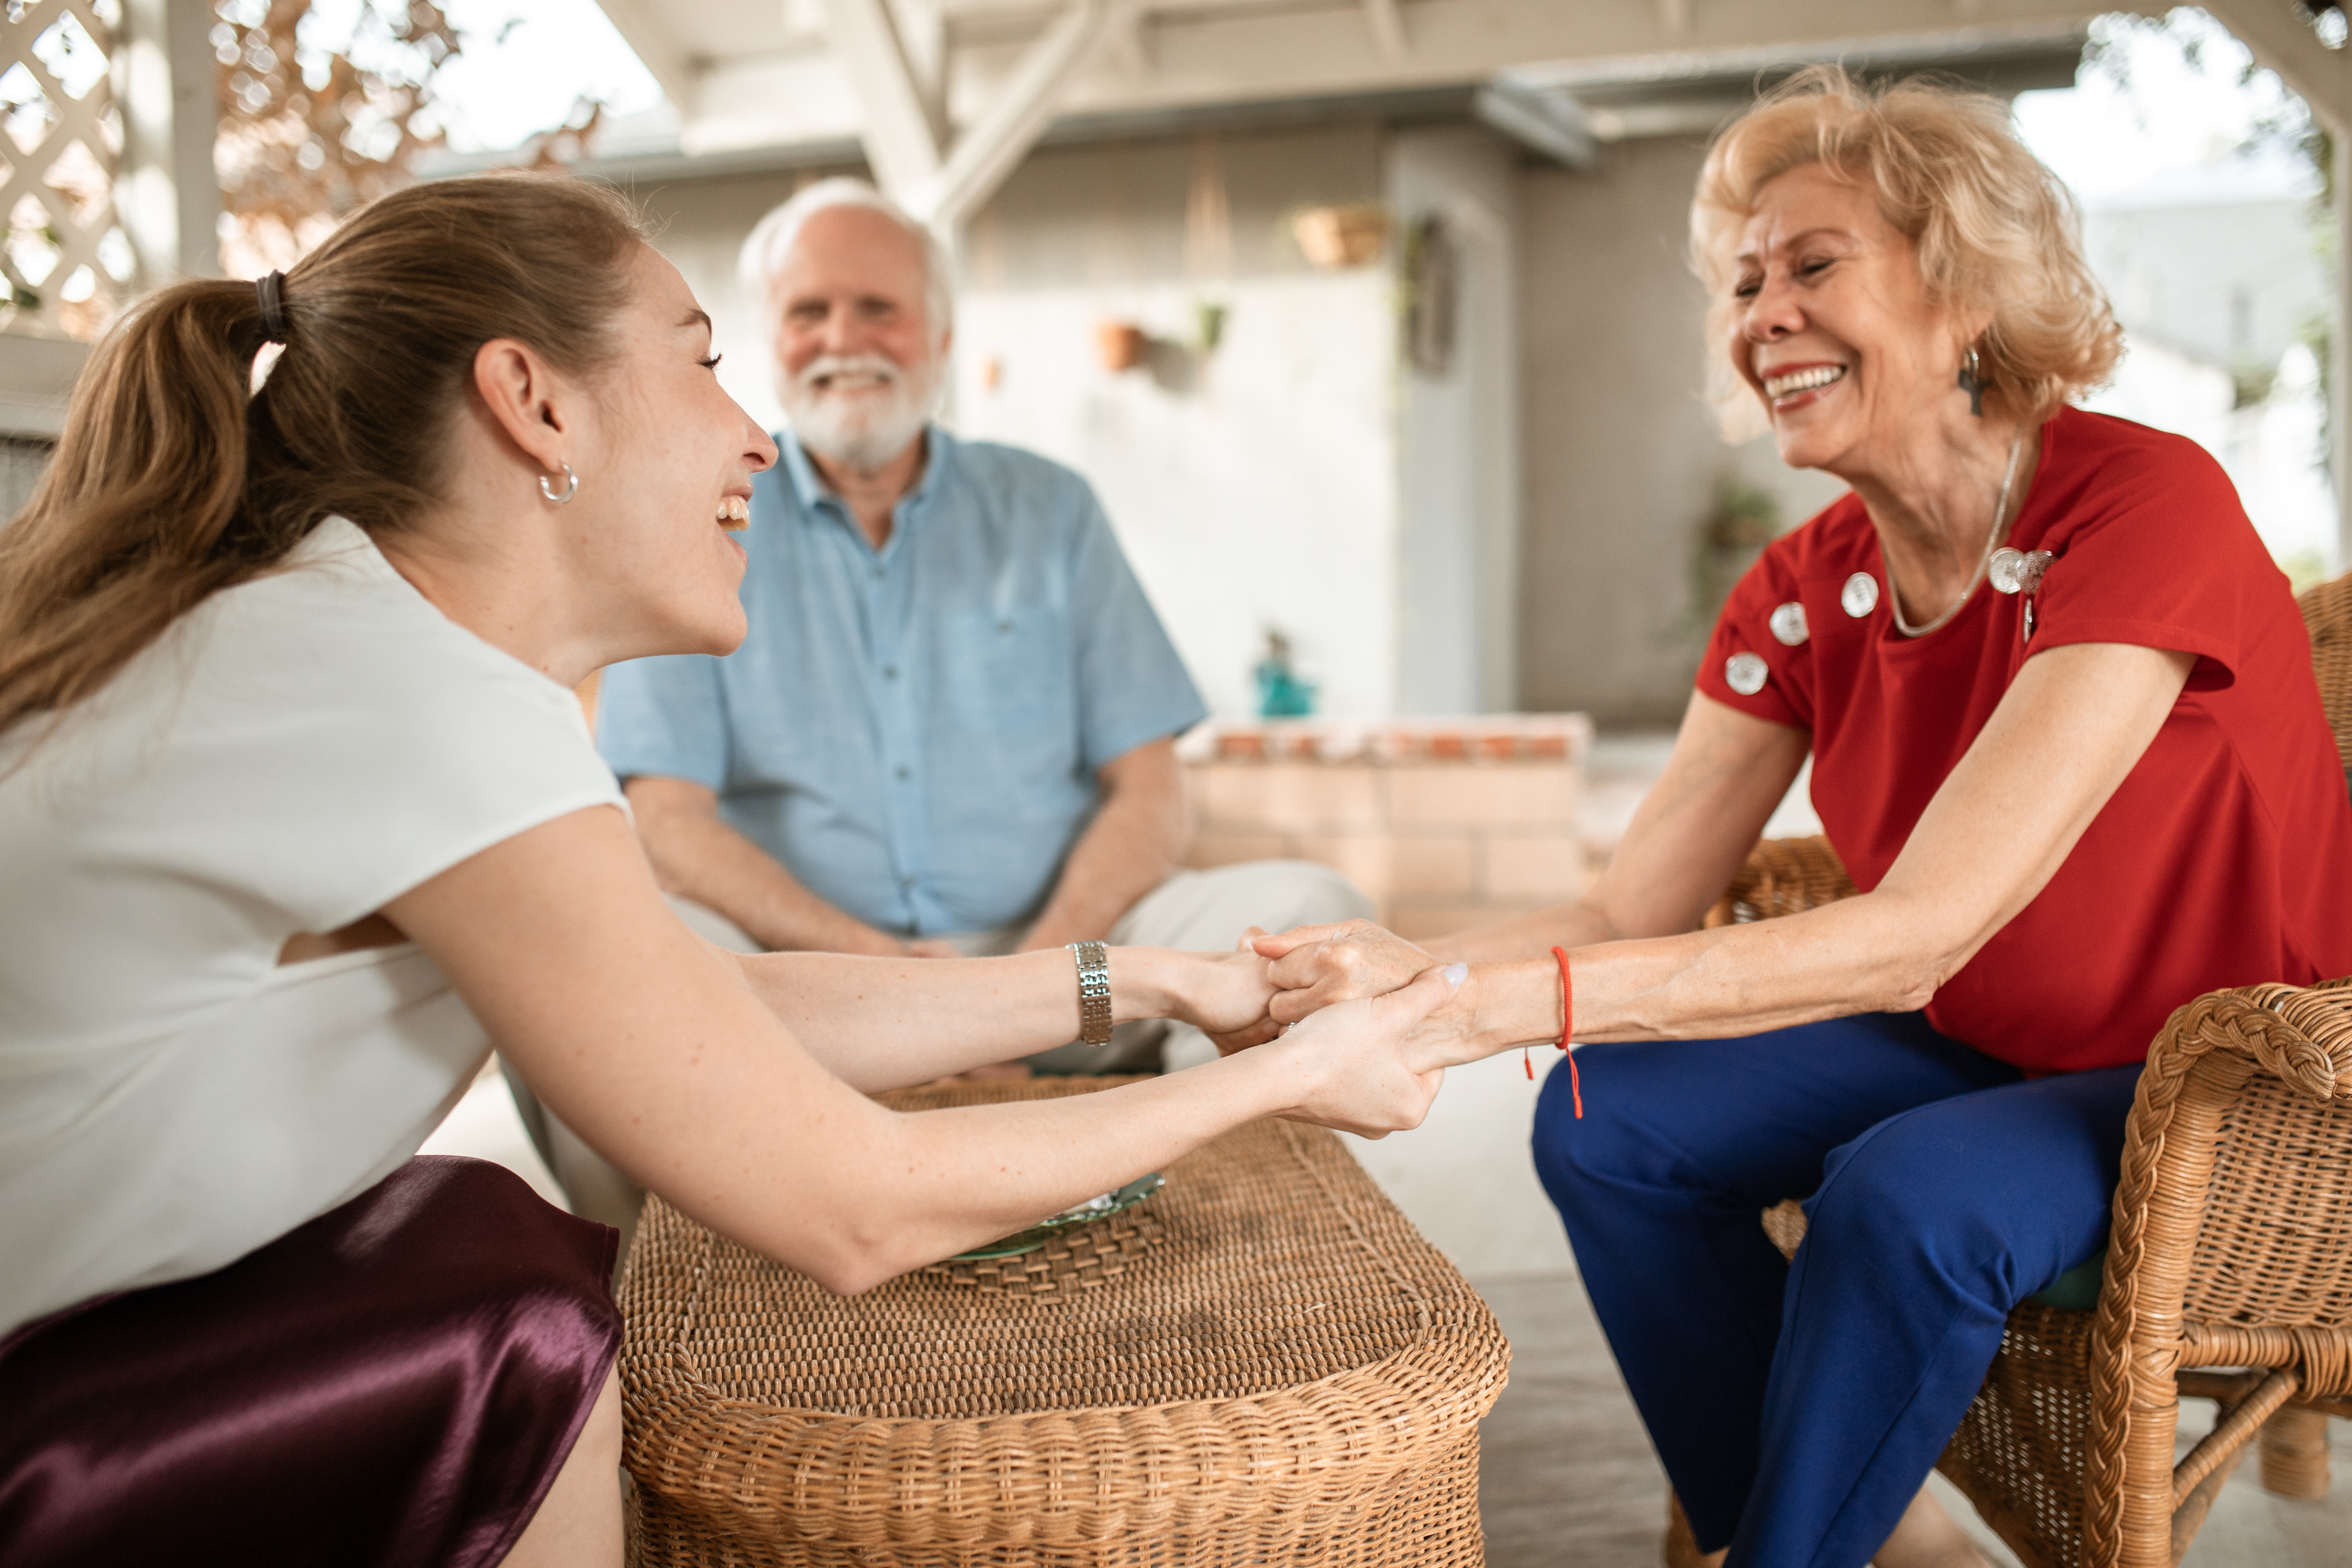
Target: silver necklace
<point x="1984" y="562"/>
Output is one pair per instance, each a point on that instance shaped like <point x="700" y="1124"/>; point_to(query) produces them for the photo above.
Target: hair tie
<point x="268" y="290"/>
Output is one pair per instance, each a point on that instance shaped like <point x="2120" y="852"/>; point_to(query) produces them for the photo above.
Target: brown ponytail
<point x="170" y="483"/>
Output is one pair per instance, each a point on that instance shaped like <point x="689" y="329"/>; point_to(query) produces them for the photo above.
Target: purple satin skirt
<point x="392" y="1386"/>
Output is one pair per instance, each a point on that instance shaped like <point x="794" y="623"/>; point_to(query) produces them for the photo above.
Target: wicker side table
<point x="1266" y="1363"/>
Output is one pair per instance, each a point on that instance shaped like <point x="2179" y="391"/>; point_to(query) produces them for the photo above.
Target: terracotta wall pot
<point x="1333" y="237"/>
<point x="1120" y="344"/>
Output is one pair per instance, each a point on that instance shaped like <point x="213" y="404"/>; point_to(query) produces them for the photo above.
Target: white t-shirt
<point x="289" y="757"/>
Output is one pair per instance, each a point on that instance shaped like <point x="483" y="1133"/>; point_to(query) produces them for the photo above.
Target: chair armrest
<point x="2301" y="1035"/>
<point x="2327" y="616"/>
<point x="1782" y="877"/>
<point x="2233" y="1223"/>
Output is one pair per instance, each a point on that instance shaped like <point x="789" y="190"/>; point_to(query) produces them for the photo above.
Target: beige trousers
<point x="1200" y="912"/>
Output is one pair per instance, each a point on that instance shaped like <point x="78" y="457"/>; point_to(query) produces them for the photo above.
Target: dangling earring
<point x="1973" y="384"/>
<point x="571" y="485"/>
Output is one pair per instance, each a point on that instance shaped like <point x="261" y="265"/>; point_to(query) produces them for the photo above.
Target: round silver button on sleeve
<point x="1787" y="624"/>
<point x="2017" y="571"/>
<point x="1860" y="594"/>
<point x="1744" y="673"/>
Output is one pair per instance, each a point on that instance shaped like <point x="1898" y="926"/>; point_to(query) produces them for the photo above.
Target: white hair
<point x="772" y="239"/>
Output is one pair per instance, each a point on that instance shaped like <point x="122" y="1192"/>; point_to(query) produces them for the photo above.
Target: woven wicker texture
<point x="2231" y="1070"/>
<point x="1782" y="877"/>
<point x="1285" y="1372"/>
<point x="2019" y="1451"/>
<point x="1081" y="1259"/>
<point x="2272" y="1240"/>
<point x="2327" y="616"/>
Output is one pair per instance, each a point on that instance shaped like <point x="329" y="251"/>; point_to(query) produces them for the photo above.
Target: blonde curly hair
<point x="1995" y="230"/>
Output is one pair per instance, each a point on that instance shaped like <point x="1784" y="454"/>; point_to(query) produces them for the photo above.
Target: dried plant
<point x="313" y="125"/>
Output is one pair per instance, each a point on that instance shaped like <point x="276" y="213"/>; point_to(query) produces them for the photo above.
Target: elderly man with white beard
<point x="951" y="726"/>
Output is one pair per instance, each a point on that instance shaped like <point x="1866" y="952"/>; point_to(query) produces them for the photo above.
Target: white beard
<point x="861" y="432"/>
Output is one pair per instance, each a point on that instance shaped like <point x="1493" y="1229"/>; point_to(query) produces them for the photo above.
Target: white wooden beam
<point x="1271" y="52"/>
<point x="1126" y="38"/>
<point x="2281" y="40"/>
<point x="897" y="129"/>
<point x="166" y="194"/>
<point x="1386" y="19"/>
<point x="655" y="43"/>
<point x="997" y="141"/>
<point x="922" y="28"/>
<point x="1551" y="122"/>
<point x="774" y="89"/>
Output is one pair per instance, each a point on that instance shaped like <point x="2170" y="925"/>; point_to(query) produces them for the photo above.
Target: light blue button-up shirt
<point x="914" y="731"/>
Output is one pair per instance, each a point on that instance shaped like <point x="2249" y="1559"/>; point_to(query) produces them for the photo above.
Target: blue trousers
<point x="1797" y="1408"/>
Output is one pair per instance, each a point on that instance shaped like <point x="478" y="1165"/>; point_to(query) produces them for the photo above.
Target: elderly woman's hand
<point x="1378" y="1061"/>
<point x="1315" y="966"/>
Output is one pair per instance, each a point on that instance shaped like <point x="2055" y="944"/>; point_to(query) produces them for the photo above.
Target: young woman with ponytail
<point x="297" y="815"/>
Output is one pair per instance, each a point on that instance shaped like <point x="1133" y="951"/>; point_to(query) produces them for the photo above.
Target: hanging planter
<point x="1121" y="345"/>
<point x="1208" y="325"/>
<point x="1341" y="237"/>
<point x="1433" y="286"/>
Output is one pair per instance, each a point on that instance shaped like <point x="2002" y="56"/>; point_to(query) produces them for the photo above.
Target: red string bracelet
<point x="1567" y="1027"/>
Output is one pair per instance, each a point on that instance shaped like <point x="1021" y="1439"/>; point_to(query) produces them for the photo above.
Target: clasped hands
<point x="1394" y="1017"/>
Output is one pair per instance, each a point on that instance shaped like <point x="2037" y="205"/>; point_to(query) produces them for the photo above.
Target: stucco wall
<point x="1459" y="511"/>
<point x="1622" y="456"/>
<point x="1251" y="487"/>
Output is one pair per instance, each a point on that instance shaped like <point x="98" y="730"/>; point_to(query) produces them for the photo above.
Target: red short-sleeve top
<point x="2225" y="858"/>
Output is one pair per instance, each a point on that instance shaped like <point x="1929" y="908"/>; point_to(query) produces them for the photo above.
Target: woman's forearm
<point x="923" y="1186"/>
<point x="1559" y="925"/>
<point x="1870" y="953"/>
<point x="2076" y="720"/>
<point x="881" y="1023"/>
<point x="653" y="1046"/>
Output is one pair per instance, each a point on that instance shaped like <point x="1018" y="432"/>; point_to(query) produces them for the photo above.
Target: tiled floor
<point x="1568" y="1479"/>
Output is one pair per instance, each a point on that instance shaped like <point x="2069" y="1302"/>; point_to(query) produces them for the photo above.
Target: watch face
<point x="1098" y="1207"/>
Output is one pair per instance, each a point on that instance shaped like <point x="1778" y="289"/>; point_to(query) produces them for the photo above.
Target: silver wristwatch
<point x="1093" y="992"/>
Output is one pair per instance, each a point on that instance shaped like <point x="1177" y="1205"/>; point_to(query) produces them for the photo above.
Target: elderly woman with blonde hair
<point x="2065" y="738"/>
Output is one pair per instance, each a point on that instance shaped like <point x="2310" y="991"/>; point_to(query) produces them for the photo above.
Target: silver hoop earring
<point x="571" y="485"/>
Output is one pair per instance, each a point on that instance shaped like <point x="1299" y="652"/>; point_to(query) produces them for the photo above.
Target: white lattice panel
<point x="65" y="263"/>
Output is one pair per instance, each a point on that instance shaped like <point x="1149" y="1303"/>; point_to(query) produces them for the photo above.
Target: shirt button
<point x="1860" y="594"/>
<point x="903" y="775"/>
<point x="878" y="573"/>
<point x="908" y="883"/>
<point x="889" y="672"/>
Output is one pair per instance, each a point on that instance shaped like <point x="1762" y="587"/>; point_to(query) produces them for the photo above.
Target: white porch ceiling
<point x="766" y="73"/>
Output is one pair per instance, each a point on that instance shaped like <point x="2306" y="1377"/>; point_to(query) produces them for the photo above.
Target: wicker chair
<point x="2229" y="1270"/>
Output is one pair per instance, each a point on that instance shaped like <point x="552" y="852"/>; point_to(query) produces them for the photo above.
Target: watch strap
<point x="1093" y="992"/>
